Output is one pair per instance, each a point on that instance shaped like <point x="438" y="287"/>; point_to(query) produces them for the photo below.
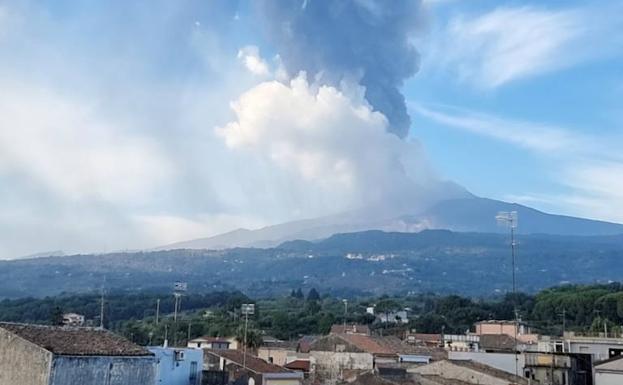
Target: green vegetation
<point x="586" y="308"/>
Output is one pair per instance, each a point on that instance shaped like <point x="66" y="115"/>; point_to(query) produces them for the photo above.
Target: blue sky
<point x="127" y="126"/>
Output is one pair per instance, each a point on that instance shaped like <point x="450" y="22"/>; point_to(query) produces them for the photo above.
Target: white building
<point x="609" y="372"/>
<point x="73" y="319"/>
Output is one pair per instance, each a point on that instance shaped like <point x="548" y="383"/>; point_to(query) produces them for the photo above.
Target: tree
<point x="313" y="295"/>
<point x="254" y="337"/>
<point x="56" y="318"/>
<point x="386" y="306"/>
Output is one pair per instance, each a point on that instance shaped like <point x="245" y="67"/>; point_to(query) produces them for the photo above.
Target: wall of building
<point x="328" y="366"/>
<point x="502" y="361"/>
<point x="448" y="370"/>
<point x="607" y="378"/>
<point x="172" y="371"/>
<point x="22" y="362"/>
<point x="81" y="370"/>
<point x="279" y="356"/>
<point x="599" y="351"/>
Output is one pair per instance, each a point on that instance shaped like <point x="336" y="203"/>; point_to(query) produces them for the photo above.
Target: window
<point x="192" y="378"/>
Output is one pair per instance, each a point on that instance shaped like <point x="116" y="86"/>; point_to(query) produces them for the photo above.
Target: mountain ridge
<point x="471" y="214"/>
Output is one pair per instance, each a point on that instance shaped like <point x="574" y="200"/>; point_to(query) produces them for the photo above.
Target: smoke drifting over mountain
<point x="358" y="40"/>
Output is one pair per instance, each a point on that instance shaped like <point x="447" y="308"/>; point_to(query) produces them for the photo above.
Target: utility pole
<point x="157" y="310"/>
<point x="102" y="309"/>
<point x="345" y="312"/>
<point x="189" y="325"/>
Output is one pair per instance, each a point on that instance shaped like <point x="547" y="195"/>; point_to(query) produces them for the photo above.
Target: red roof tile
<point x="254" y="364"/>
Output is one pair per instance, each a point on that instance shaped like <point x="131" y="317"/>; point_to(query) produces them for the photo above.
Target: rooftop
<point x="350" y="329"/>
<point x="76" y="341"/>
<point x="498" y="342"/>
<point x="254" y="364"/>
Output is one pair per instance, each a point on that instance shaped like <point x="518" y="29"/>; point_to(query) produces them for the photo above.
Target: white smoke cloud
<point x="329" y="138"/>
<point x="250" y="57"/>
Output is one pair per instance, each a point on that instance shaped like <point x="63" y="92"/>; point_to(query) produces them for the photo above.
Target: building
<point x="609" y="372"/>
<point x="248" y="369"/>
<point x="213" y="343"/>
<point x="278" y="352"/>
<point x="340" y="356"/>
<point x="60" y="355"/>
<point x="463" y="372"/>
<point x="559" y="368"/>
<point x="73" y="319"/>
<point x="518" y="330"/>
<point x="178" y="366"/>
<point x="350" y="329"/>
<point x="461" y="342"/>
<point x="422" y="339"/>
<point x="509" y="362"/>
<point x="599" y="346"/>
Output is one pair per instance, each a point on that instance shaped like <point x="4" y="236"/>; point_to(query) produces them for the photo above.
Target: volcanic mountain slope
<point x="469" y="214"/>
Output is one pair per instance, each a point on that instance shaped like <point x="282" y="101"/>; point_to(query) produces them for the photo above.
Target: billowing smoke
<point x="357" y="40"/>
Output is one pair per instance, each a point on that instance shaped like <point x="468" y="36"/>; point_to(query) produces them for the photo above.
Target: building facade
<point x="178" y="366"/>
<point x="48" y="355"/>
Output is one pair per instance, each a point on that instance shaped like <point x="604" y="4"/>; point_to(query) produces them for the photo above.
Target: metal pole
<point x="102" y="310"/>
<point x="244" y="356"/>
<point x="189" y="325"/>
<point x="345" y="313"/>
<point x="514" y="294"/>
<point x="157" y="310"/>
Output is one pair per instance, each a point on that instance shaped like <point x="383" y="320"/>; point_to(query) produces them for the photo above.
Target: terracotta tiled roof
<point x="305" y="343"/>
<point x="368" y="344"/>
<point x="298" y="365"/>
<point x="497" y="342"/>
<point x="254" y="364"/>
<point x="212" y="339"/>
<point x="76" y="341"/>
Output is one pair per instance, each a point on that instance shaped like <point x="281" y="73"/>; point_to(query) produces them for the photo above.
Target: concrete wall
<point x="450" y="371"/>
<point x="91" y="370"/>
<point x="22" y="362"/>
<point x="599" y="351"/>
<point x="329" y="365"/>
<point x="170" y="371"/>
<point x="502" y="361"/>
<point x="279" y="356"/>
<point x="606" y="378"/>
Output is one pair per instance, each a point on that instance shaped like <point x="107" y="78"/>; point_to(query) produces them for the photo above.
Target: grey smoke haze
<point x="337" y="39"/>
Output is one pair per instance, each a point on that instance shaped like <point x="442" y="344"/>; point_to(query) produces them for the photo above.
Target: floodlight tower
<point x="509" y="219"/>
<point x="246" y="309"/>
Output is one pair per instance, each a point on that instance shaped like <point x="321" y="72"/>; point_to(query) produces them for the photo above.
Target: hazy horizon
<point x="130" y="126"/>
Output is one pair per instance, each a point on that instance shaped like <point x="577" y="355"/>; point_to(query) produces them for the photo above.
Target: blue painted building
<point x="178" y="366"/>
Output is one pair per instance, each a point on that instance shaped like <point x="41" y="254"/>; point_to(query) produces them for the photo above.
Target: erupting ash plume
<point x="361" y="40"/>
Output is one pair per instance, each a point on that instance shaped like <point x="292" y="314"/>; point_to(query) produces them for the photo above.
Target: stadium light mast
<point x="509" y="219"/>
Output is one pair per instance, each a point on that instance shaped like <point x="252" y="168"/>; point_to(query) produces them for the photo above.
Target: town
<point x="384" y="350"/>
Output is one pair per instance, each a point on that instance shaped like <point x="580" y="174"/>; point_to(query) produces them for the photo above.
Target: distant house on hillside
<point x="73" y="319"/>
<point x="55" y="355"/>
